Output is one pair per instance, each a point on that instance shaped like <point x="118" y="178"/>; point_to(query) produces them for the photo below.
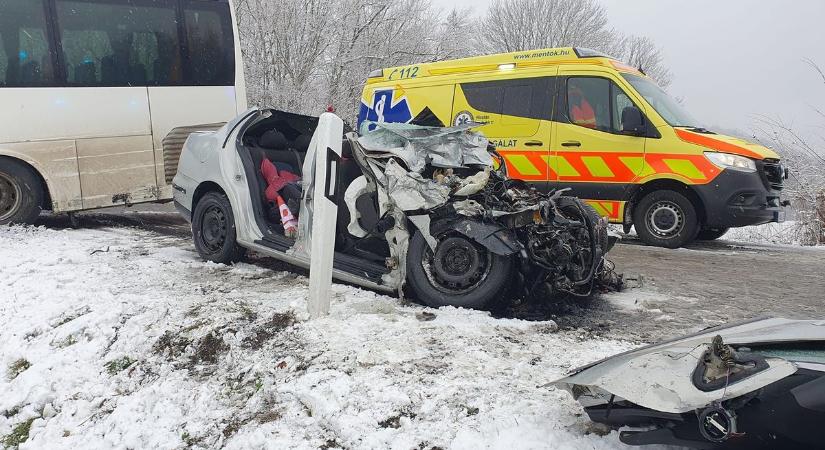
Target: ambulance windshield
<point x="670" y="110"/>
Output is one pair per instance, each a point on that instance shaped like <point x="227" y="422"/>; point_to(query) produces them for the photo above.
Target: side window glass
<point x="484" y="96"/>
<point x="4" y="61"/>
<point x="25" y="58"/>
<point x="85" y="51"/>
<point x="211" y="55"/>
<point x="620" y="102"/>
<point x="517" y="100"/>
<point x="588" y="102"/>
<point x="529" y="98"/>
<point x="107" y="44"/>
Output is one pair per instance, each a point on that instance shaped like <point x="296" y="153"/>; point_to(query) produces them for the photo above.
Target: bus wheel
<point x="711" y="234"/>
<point x="665" y="219"/>
<point x="21" y="193"/>
<point x="213" y="230"/>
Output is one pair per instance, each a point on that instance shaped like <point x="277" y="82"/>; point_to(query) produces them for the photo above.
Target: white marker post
<point x="327" y="154"/>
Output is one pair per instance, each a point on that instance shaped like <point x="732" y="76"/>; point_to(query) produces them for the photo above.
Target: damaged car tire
<point x="213" y="230"/>
<point x="459" y="272"/>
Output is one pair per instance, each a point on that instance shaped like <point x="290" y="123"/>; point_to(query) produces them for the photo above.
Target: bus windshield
<point x="670" y="110"/>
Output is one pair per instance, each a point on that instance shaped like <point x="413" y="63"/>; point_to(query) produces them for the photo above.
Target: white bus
<point x="95" y="94"/>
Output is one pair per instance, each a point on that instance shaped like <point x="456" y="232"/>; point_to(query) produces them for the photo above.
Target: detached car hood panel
<point x="659" y="376"/>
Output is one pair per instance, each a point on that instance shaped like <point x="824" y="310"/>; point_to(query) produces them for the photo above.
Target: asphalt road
<point x="669" y="292"/>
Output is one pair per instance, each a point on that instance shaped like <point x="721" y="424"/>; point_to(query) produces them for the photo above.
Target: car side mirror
<point x="633" y="122"/>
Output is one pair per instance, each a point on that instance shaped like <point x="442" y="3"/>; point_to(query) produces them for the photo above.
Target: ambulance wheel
<point x="21" y="193"/>
<point x="459" y="272"/>
<point x="711" y="234"/>
<point x="665" y="219"/>
<point x="213" y="230"/>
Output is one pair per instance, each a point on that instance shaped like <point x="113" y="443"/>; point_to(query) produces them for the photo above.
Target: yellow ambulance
<point x="575" y="118"/>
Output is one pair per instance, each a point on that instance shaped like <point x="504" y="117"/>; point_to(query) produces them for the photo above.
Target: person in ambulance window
<point x="581" y="112"/>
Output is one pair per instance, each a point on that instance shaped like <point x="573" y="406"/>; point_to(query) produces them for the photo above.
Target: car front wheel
<point x="459" y="272"/>
<point x="213" y="230"/>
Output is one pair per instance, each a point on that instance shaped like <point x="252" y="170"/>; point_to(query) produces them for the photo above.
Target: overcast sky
<point x="732" y="60"/>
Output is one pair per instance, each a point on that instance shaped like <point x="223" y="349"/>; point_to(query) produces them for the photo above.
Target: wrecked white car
<point x="416" y="206"/>
<point x="756" y="384"/>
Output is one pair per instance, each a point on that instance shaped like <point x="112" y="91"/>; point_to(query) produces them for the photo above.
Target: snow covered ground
<point x="122" y="338"/>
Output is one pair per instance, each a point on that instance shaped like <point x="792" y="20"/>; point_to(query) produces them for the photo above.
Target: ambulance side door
<point x="516" y="114"/>
<point x="590" y="153"/>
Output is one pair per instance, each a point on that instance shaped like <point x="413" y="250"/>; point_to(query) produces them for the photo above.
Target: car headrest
<point x="302" y="142"/>
<point x="272" y="139"/>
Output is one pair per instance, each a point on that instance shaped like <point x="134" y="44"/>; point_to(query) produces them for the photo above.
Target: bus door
<point x="590" y="154"/>
<point x="516" y="115"/>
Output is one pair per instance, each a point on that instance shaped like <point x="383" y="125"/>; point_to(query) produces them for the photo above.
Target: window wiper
<point x="695" y="129"/>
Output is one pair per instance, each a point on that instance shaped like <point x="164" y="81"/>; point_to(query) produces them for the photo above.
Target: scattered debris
<point x="425" y="316"/>
<point x="100" y="251"/>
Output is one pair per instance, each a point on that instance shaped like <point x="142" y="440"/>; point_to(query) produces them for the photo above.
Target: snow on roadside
<point x="132" y="342"/>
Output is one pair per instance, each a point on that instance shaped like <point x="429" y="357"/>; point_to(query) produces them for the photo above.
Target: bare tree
<point x="806" y="165"/>
<point x="283" y="45"/>
<point x="642" y="52"/>
<point x="372" y="34"/>
<point x="456" y="35"/>
<point x="513" y="25"/>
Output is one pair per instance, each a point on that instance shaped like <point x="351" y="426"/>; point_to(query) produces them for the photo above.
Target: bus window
<point x="210" y="42"/>
<point x="25" y="59"/>
<point x="108" y="44"/>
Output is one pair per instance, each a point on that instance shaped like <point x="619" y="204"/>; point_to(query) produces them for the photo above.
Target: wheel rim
<point x="10" y="197"/>
<point x="213" y="229"/>
<point x="665" y="219"/>
<point x="457" y="266"/>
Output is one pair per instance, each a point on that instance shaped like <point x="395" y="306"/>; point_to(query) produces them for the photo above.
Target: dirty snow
<point x="133" y="342"/>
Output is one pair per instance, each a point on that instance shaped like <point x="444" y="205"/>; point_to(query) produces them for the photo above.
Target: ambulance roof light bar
<point x="590" y="53"/>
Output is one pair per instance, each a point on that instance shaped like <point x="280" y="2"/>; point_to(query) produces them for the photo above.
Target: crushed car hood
<point x="660" y="376"/>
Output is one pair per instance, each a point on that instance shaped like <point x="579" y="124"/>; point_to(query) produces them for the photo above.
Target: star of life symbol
<point x="386" y="108"/>
<point x="462" y="118"/>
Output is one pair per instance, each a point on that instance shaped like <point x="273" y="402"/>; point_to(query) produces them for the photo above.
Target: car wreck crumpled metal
<point x="446" y="183"/>
<point x="427" y="208"/>
<point x="754" y="384"/>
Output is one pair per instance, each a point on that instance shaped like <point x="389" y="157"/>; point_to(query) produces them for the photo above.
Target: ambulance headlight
<point x="734" y="162"/>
